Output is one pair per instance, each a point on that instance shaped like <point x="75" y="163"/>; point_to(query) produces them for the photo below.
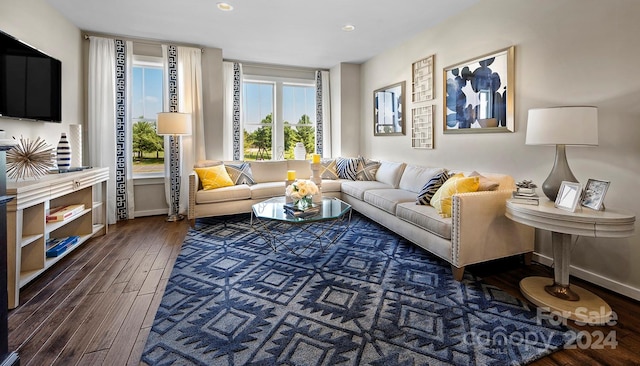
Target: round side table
<point x="571" y="302"/>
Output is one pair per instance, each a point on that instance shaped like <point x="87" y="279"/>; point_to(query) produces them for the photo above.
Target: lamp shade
<point x="562" y="126"/>
<point x="173" y="123"/>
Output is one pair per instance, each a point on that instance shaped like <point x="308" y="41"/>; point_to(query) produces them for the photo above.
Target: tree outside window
<point x="148" y="147"/>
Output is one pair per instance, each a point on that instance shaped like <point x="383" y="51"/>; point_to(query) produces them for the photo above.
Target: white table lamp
<point x="561" y="126"/>
<point x="174" y="124"/>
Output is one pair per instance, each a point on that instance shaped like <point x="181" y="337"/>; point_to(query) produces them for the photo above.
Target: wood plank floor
<point x="96" y="306"/>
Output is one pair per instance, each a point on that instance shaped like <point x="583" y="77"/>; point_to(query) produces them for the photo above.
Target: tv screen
<point x="30" y="82"/>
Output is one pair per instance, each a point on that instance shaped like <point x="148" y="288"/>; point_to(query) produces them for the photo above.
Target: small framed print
<point x="594" y="192"/>
<point x="568" y="196"/>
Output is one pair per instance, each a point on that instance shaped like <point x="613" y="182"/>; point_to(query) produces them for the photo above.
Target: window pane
<point x="258" y="119"/>
<point x="300" y="118"/>
<point x="258" y="101"/>
<point x="148" y="147"/>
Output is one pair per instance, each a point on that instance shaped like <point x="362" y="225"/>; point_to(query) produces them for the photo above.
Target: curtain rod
<point x="150" y="43"/>
<point x="277" y="67"/>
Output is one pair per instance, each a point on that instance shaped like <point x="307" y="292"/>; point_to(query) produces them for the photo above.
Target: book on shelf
<point x="62" y="213"/>
<point x="57" y="246"/>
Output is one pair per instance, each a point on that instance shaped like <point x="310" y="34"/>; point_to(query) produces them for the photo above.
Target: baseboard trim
<point x="595" y="278"/>
<point x="162" y="211"/>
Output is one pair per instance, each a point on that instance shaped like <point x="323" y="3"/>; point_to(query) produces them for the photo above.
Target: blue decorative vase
<point x="63" y="153"/>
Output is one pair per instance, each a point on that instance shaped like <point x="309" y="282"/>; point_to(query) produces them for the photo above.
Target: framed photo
<point x="388" y="113"/>
<point x="422" y="129"/>
<point x="568" y="196"/>
<point x="422" y="80"/>
<point x="479" y="94"/>
<point x="594" y="192"/>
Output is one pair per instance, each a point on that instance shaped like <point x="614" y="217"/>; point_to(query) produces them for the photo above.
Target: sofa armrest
<point x="482" y="232"/>
<point x="194" y="183"/>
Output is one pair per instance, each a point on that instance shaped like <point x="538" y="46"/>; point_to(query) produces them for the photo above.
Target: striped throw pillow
<point x="347" y="168"/>
<point x="431" y="187"/>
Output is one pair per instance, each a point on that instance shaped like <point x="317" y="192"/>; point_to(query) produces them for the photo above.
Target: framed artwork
<point x="388" y="114"/>
<point x="422" y="127"/>
<point x="594" y="192"/>
<point x="568" y="196"/>
<point x="479" y="94"/>
<point x="422" y="80"/>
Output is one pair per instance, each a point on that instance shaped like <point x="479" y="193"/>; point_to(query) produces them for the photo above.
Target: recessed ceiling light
<point x="224" y="6"/>
<point x="349" y="28"/>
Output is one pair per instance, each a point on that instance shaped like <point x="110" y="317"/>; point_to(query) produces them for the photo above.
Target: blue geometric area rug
<point x="372" y="298"/>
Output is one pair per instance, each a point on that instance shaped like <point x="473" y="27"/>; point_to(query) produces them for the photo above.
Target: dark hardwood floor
<point x="96" y="306"/>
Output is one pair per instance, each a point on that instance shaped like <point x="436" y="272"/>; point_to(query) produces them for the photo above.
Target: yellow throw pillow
<point x="441" y="200"/>
<point x="214" y="177"/>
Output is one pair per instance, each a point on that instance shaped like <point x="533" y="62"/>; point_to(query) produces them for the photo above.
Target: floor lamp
<point x="561" y="126"/>
<point x="174" y="125"/>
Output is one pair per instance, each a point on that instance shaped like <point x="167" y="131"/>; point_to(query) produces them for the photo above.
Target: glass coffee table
<point x="299" y="234"/>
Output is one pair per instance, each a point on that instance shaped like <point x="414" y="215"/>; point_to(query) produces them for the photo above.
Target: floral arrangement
<point x="301" y="190"/>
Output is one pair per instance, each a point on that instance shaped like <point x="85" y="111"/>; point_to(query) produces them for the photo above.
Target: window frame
<point x="277" y="132"/>
<point x="155" y="62"/>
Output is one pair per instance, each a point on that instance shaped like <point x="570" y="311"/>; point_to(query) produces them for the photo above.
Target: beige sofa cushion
<point x="302" y="168"/>
<point x="356" y="188"/>
<point x="388" y="199"/>
<point x="415" y="177"/>
<point x="267" y="190"/>
<point x="224" y="194"/>
<point x="425" y="217"/>
<point x="331" y="185"/>
<point x="390" y="173"/>
<point x="269" y="171"/>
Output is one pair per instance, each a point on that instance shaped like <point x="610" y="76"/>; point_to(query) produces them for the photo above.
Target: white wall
<point x="568" y="52"/>
<point x="345" y="114"/>
<point x="38" y="24"/>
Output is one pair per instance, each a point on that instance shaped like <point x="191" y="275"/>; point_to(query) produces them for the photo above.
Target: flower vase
<point x="304" y="203"/>
<point x="63" y="153"/>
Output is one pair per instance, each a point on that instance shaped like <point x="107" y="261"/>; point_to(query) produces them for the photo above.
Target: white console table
<point x="28" y="231"/>
<point x="571" y="302"/>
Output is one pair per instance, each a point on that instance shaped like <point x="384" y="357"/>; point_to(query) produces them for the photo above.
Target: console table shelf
<point x="28" y="230"/>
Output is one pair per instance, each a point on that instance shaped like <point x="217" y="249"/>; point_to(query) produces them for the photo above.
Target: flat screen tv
<point x="30" y="82"/>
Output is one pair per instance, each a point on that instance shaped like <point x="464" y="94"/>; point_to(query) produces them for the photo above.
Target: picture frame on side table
<point x="479" y="94"/>
<point x="594" y="192"/>
<point x="568" y="196"/>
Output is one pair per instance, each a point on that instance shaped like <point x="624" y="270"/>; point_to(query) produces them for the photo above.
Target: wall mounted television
<point x="30" y="82"/>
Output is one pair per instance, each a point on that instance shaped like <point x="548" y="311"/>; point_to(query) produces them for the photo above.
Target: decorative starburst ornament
<point x="29" y="159"/>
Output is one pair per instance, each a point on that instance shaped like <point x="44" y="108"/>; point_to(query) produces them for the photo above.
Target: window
<point x="148" y="147"/>
<point x="278" y="113"/>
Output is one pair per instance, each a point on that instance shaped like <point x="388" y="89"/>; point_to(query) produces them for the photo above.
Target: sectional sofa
<point x="477" y="230"/>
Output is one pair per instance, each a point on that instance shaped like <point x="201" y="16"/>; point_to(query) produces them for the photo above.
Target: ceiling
<point x="285" y="32"/>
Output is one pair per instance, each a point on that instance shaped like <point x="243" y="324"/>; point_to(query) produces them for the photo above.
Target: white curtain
<point x="190" y="101"/>
<point x="326" y="115"/>
<point x="165" y="108"/>
<point x="192" y="148"/>
<point x="101" y="114"/>
<point x="232" y="141"/>
<point x="129" y="135"/>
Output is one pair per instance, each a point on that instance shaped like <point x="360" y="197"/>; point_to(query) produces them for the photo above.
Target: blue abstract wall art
<point x="479" y="94"/>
